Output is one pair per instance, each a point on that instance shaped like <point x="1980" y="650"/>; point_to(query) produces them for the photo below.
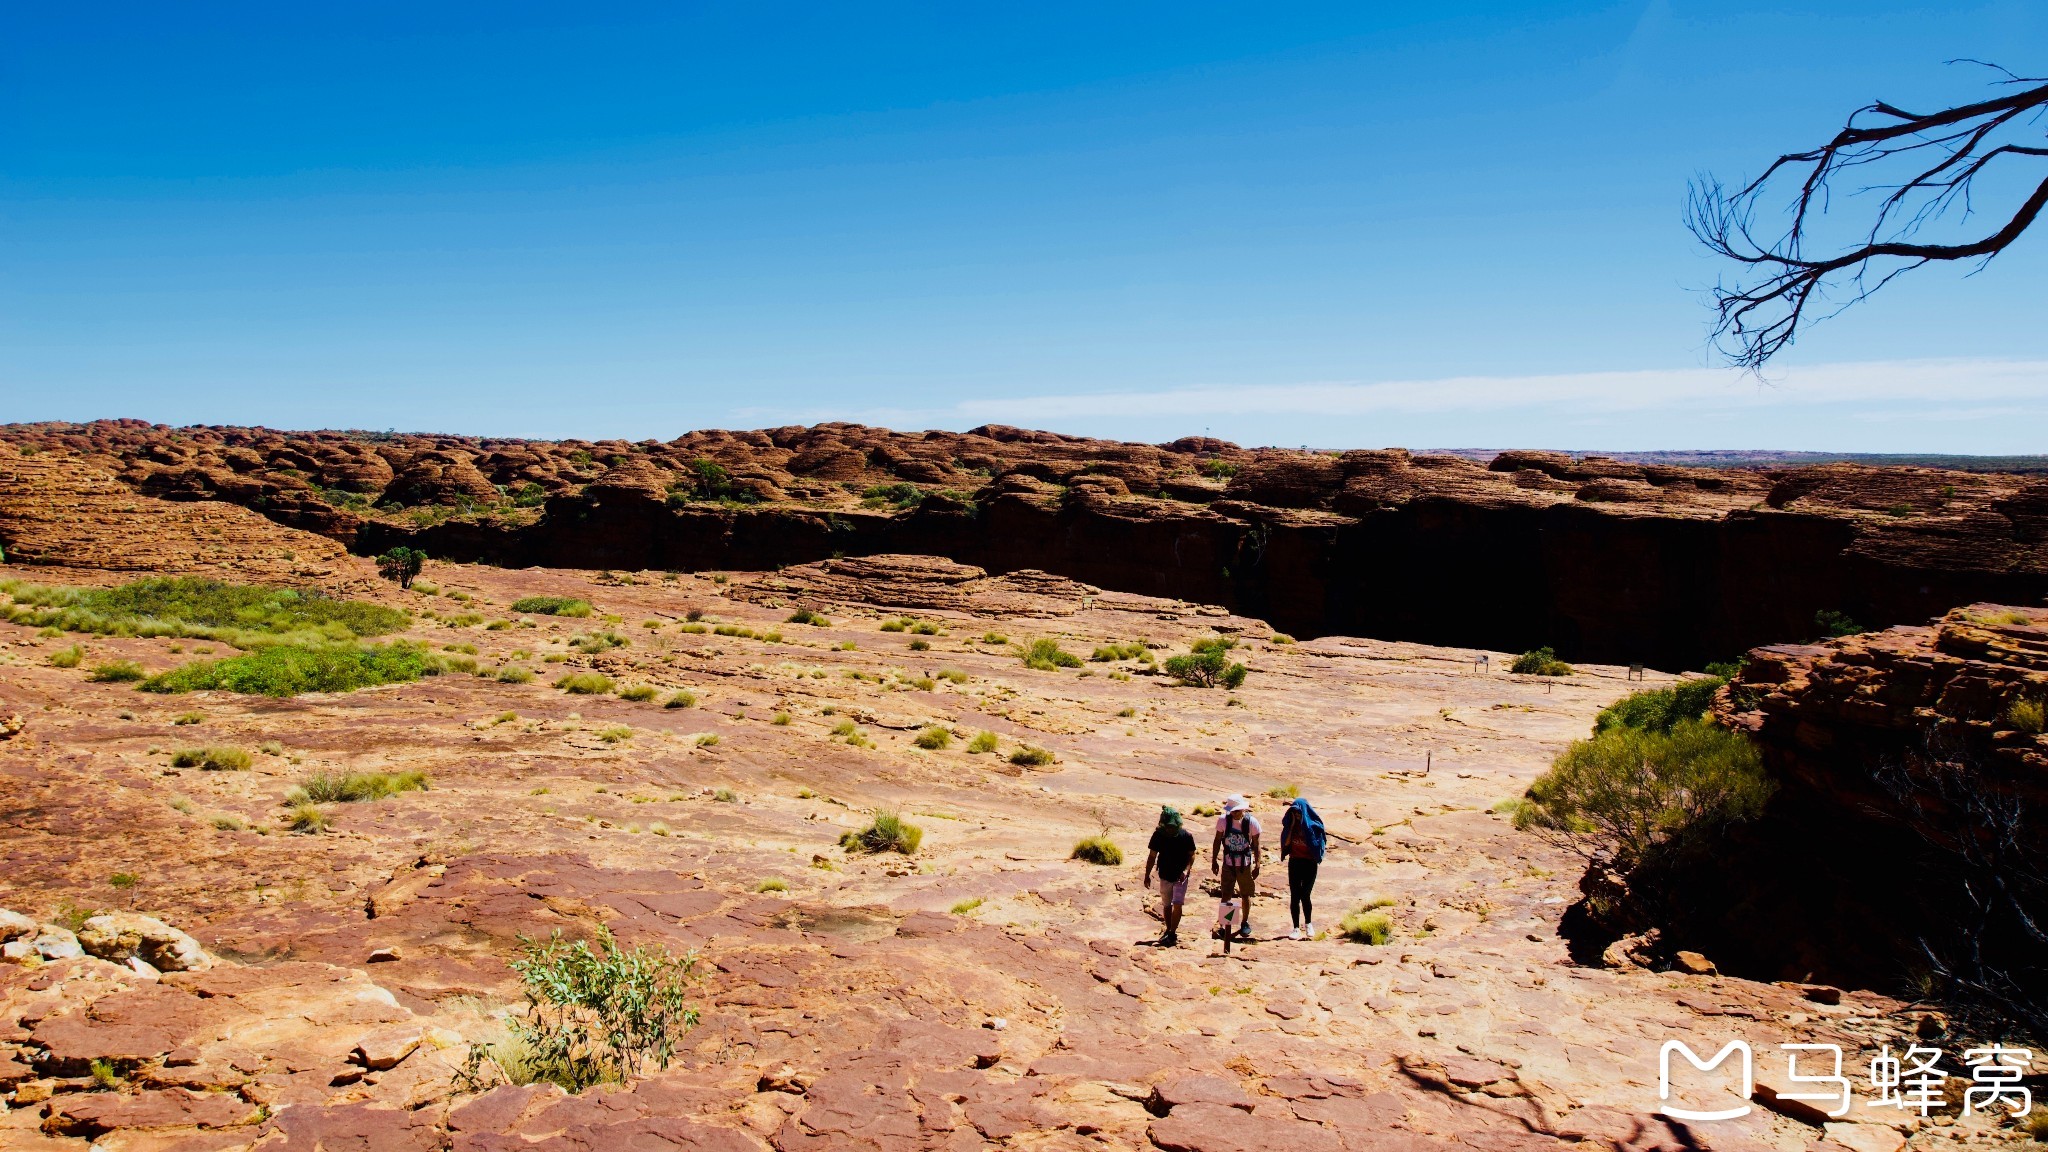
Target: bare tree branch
<point x="1943" y="154"/>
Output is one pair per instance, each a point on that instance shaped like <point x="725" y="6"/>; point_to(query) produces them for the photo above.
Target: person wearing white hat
<point x="1234" y="859"/>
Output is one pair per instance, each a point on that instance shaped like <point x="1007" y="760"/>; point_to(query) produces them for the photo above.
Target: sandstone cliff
<point x="1603" y="560"/>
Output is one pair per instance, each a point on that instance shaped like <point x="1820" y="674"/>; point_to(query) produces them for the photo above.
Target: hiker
<point x="1173" y="851"/>
<point x="1302" y="841"/>
<point x="1234" y="858"/>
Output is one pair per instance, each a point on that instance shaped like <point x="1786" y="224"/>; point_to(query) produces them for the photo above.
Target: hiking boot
<point x="1170" y="940"/>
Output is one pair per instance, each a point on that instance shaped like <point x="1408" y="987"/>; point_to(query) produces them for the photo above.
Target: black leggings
<point x="1301" y="887"/>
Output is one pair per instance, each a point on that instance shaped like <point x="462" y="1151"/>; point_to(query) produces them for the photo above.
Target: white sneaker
<point x="1309" y="932"/>
<point x="1294" y="935"/>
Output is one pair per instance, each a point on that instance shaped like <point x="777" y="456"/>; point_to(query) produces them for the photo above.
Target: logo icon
<point x="1734" y="1047"/>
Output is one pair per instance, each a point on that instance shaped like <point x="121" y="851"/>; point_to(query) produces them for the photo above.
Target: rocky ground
<point x="867" y="1006"/>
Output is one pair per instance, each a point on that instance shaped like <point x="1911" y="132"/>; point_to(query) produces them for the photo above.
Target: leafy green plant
<point x="1628" y="789"/>
<point x="552" y="606"/>
<point x="1540" y="662"/>
<point x="899" y="495"/>
<point x="594" y="1015"/>
<point x="934" y="738"/>
<point x="1207" y="668"/>
<point x="1833" y="624"/>
<point x="237" y="614"/>
<point x="1657" y="709"/>
<point x="290" y="669"/>
<point x="886" y="832"/>
<point x="401" y="565"/>
<point x="585" y="684"/>
<point x="117" y="672"/>
<point x="1030" y="757"/>
<point x="1046" y="655"/>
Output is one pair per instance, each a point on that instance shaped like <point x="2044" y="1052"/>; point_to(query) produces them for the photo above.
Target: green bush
<point x="1627" y="789"/>
<point x="355" y="787"/>
<point x="598" y="643"/>
<point x="1108" y="652"/>
<point x="67" y="657"/>
<point x="683" y="698"/>
<point x="117" y="672"/>
<point x="994" y="638"/>
<point x="2025" y="715"/>
<point x="401" y="565"/>
<point x="1030" y="757"/>
<point x="1046" y="655"/>
<point x="239" y="614"/>
<point x="1097" y="850"/>
<point x="1659" y="708"/>
<point x="1832" y="624"/>
<point x="1365" y="926"/>
<point x="1213" y="644"/>
<point x="1207" y="668"/>
<point x="637" y="692"/>
<point x="887" y="832"/>
<point x="290" y="669"/>
<point x="211" y="759"/>
<point x="982" y="742"/>
<point x="934" y="739"/>
<point x="600" y="1015"/>
<point x="806" y="616"/>
<point x="585" y="684"/>
<point x="920" y="645"/>
<point x="901" y="495"/>
<point x="1540" y="662"/>
<point x="552" y="606"/>
<point x="895" y="625"/>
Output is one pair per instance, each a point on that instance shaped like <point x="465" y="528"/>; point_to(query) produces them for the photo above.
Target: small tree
<point x="1628" y="790"/>
<point x="401" y="564"/>
<point x="1206" y="668"/>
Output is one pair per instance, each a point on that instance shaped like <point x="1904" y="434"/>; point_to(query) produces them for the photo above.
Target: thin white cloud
<point x="1925" y="389"/>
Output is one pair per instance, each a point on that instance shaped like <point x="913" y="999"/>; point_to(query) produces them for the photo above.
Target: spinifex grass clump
<point x="887" y="832"/>
<point x="1046" y="655"/>
<point x="211" y="759"/>
<point x="355" y="787"/>
<point x="552" y="606"/>
<point x="244" y="615"/>
<point x="1098" y="850"/>
<point x="599" y="1014"/>
<point x="289" y="669"/>
<point x="1365" y="926"/>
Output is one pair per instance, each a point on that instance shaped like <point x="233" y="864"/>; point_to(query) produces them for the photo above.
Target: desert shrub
<point x="895" y="625"/>
<point x="1206" y="810"/>
<point x="637" y="692"/>
<point x="2025" y="715"/>
<point x="355" y="787"/>
<point x="994" y="638"/>
<point x="304" y="818"/>
<point x="1627" y="789"/>
<point x="845" y="728"/>
<point x="934" y="739"/>
<point x="780" y="719"/>
<point x="514" y="674"/>
<point x="772" y="884"/>
<point x="290" y="669"/>
<point x="67" y="657"/>
<point x="211" y="759"/>
<point x="229" y="822"/>
<point x="238" y="614"/>
<point x="900" y="495"/>
<point x="585" y="684"/>
<point x="954" y="675"/>
<point x="615" y="733"/>
<point x="117" y="672"/>
<point x="1365" y="926"/>
<point x="708" y="740"/>
<point x="597" y="643"/>
<point x="601" y="1015"/>
<point x="886" y="832"/>
<point x="552" y="606"/>
<point x="920" y="645"/>
<point x="806" y="616"/>
<point x="982" y="742"/>
<point x="1097" y="850"/>
<point x="271" y="748"/>
<point x="1213" y="644"/>
<point x="1284" y="791"/>
<point x="1282" y="638"/>
<point x="1540" y="662"/>
<point x="926" y="628"/>
<point x="963" y="907"/>
<point x="1207" y="668"/>
<point x="1046" y="655"/>
<point x="1028" y="756"/>
<point x="682" y="698"/>
<point x="726" y="796"/>
<point x="184" y="718"/>
<point x="1108" y="652"/>
<point x="1659" y="708"/>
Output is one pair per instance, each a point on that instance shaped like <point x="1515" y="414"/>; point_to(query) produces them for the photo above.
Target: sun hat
<point x="1234" y="804"/>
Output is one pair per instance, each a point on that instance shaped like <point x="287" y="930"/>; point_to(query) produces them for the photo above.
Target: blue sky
<point x="1339" y="225"/>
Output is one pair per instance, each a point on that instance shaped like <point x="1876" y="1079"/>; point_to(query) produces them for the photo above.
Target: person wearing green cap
<point x="1172" y="851"/>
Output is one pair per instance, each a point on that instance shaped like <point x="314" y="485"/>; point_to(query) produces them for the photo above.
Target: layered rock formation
<point x="1598" y="558"/>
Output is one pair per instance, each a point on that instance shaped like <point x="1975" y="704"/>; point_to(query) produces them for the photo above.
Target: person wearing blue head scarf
<point x="1302" y="841"/>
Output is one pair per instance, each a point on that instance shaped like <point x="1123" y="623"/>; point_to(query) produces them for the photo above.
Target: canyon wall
<point x="1602" y="560"/>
